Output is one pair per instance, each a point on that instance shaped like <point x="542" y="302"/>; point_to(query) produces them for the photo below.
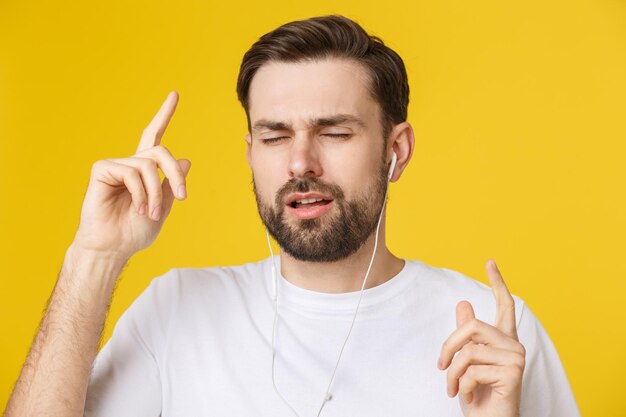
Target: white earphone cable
<point x="275" y="297"/>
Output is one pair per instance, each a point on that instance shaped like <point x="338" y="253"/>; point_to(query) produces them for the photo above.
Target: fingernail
<point x="182" y="191"/>
<point x="156" y="212"/>
<point x="142" y="209"/>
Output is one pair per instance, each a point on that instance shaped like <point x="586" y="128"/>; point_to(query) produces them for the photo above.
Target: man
<point x="335" y="326"/>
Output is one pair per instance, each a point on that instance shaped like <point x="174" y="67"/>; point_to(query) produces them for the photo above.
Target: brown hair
<point x="333" y="37"/>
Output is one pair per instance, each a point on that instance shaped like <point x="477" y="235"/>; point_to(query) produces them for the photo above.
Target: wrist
<point x="93" y="266"/>
<point x="79" y="253"/>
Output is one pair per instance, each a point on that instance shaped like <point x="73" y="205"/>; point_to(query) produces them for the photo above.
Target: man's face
<point x="317" y="156"/>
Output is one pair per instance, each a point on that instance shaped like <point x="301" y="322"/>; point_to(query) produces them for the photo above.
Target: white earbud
<point x="394" y="158"/>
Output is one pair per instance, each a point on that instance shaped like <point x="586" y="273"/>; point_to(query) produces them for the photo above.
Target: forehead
<point x="298" y="92"/>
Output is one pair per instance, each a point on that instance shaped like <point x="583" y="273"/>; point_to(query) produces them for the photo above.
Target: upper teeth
<point x="308" y="200"/>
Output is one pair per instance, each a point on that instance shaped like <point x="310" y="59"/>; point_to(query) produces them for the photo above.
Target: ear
<point x="249" y="147"/>
<point x="402" y="142"/>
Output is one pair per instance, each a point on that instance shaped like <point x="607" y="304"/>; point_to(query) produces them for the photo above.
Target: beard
<point x="333" y="236"/>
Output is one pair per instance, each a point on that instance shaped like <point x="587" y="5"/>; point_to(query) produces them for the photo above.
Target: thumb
<point x="464" y="313"/>
<point x="185" y="165"/>
<point x="168" y="195"/>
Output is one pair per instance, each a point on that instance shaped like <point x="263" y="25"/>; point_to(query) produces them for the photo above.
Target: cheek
<point x="355" y="177"/>
<point x="266" y="182"/>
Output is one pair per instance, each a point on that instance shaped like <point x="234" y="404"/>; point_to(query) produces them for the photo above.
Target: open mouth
<point x="308" y="205"/>
<point x="309" y="202"/>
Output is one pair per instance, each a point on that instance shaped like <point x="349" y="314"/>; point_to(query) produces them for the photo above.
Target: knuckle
<point x="464" y="385"/>
<point x="157" y="150"/>
<point x="100" y="165"/>
<point x="470" y="373"/>
<point x="131" y="172"/>
<point x="147" y="163"/>
<point x="519" y="362"/>
<point x="508" y="303"/>
<point x="476" y="347"/>
<point x="139" y="195"/>
<point x="127" y="175"/>
<point x="157" y="195"/>
<point x="135" y="174"/>
<point x="96" y="166"/>
<point x="473" y="325"/>
<point x="467" y="352"/>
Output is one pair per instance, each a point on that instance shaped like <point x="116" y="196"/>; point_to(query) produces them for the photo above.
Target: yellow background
<point x="518" y="109"/>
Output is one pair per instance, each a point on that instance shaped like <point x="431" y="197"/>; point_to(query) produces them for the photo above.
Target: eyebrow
<point x="319" y="122"/>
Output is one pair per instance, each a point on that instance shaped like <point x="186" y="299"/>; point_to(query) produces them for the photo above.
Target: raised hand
<point x="126" y="203"/>
<point x="489" y="363"/>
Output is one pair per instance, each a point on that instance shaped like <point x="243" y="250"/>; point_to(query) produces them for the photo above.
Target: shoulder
<point x="189" y="283"/>
<point x="447" y="287"/>
<point x="210" y="275"/>
<point x="196" y="292"/>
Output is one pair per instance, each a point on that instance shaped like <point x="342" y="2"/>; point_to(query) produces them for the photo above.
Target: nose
<point x="304" y="159"/>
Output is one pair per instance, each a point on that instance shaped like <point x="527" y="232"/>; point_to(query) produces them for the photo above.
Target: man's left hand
<point x="487" y="371"/>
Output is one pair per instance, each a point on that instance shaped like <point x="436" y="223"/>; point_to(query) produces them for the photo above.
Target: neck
<point x="345" y="275"/>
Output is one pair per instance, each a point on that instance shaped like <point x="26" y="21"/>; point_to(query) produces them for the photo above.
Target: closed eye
<point x="337" y="135"/>
<point x="269" y="141"/>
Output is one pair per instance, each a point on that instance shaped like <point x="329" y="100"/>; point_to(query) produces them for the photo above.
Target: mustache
<point x="305" y="185"/>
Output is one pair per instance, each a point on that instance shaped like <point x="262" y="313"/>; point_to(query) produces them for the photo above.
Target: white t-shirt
<point x="197" y="342"/>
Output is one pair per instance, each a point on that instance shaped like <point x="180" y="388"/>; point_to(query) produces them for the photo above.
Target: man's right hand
<point x="126" y="203"/>
<point x="123" y="211"/>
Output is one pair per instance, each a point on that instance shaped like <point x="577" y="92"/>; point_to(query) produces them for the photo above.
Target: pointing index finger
<point x="152" y="134"/>
<point x="505" y="305"/>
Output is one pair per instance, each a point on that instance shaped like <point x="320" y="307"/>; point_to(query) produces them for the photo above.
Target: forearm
<point x="55" y="376"/>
